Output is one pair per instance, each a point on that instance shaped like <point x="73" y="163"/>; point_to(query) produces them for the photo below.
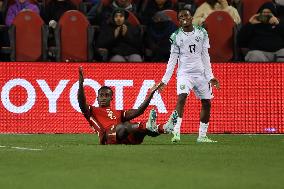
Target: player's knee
<point x="121" y="132"/>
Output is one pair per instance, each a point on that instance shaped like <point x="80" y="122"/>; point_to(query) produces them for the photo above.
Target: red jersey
<point x="104" y="122"/>
<point x="106" y="117"/>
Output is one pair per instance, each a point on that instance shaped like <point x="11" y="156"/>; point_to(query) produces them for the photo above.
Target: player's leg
<point x="204" y="121"/>
<point x="205" y="110"/>
<point x="179" y="110"/>
<point x="134" y="133"/>
<point x="184" y="85"/>
<point x="121" y="131"/>
<point x="203" y="91"/>
<point x="168" y="127"/>
<point x="150" y="127"/>
<point x="130" y="133"/>
<point x="137" y="133"/>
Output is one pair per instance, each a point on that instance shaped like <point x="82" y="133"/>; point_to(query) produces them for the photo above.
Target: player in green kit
<point x="190" y="49"/>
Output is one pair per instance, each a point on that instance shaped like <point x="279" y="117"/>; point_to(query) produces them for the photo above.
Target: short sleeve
<point x="205" y="39"/>
<point x="174" y="44"/>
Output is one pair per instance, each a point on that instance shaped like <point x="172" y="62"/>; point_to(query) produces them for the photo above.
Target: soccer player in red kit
<point x="113" y="126"/>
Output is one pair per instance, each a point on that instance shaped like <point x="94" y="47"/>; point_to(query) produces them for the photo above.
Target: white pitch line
<point x="21" y="148"/>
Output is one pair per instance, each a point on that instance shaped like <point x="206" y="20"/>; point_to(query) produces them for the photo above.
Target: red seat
<point x="173" y="15"/>
<point x="220" y="27"/>
<point x="106" y="2"/>
<point x="250" y="7"/>
<point x="74" y="37"/>
<point x="77" y="2"/>
<point x="199" y="2"/>
<point x="132" y="19"/>
<point x="174" y="2"/>
<point x="28" y="37"/>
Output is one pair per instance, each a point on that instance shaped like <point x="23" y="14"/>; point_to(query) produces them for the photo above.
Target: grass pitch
<point x="76" y="161"/>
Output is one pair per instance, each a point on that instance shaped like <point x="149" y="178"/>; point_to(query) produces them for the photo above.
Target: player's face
<point x="104" y="97"/>
<point x="119" y="19"/>
<point x="185" y="18"/>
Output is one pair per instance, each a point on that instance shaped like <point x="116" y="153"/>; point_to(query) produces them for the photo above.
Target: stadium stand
<point x="174" y="2"/>
<point x="77" y="3"/>
<point x="5" y="48"/>
<point x="106" y="2"/>
<point x="28" y="36"/>
<point x="222" y="43"/>
<point x="262" y="40"/>
<point x="132" y="19"/>
<point x="80" y="5"/>
<point x="214" y="5"/>
<point x="173" y="15"/>
<point x="7" y="3"/>
<point x="249" y="8"/>
<point x="199" y="2"/>
<point x="149" y="9"/>
<point x="228" y="51"/>
<point x="155" y="39"/>
<point x="74" y="37"/>
<point x="121" y="46"/>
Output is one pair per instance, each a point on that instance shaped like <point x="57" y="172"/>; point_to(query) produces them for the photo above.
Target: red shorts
<point x="108" y="136"/>
<point x="132" y="139"/>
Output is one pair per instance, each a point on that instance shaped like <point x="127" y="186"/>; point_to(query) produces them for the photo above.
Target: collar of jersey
<point x="188" y="33"/>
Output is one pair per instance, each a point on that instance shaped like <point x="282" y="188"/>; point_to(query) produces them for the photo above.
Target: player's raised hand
<point x="161" y="86"/>
<point x="215" y="83"/>
<point x="81" y="75"/>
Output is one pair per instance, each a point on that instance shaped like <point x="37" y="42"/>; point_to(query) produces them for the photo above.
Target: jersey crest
<point x="197" y="38"/>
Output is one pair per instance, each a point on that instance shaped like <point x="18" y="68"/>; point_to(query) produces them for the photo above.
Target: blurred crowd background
<point x="137" y="30"/>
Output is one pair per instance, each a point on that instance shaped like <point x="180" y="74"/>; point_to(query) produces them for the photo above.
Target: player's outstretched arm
<point x="133" y="113"/>
<point x="81" y="94"/>
<point x="161" y="86"/>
